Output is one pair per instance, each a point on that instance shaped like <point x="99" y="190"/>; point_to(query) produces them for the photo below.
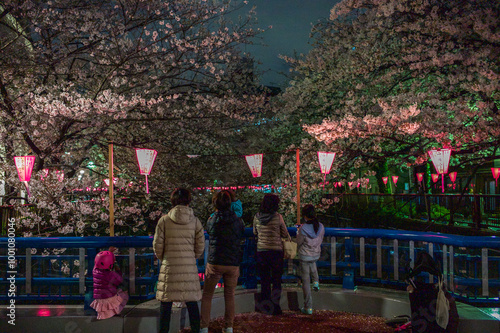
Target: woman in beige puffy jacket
<point x="179" y="239"/>
<point x="269" y="228"/>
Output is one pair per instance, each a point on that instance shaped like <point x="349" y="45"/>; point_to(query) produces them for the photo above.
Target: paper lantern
<point x="385" y="180"/>
<point x="395" y="180"/>
<point x="325" y="163"/>
<point x="453" y="176"/>
<point x="441" y="160"/>
<point x="24" y="166"/>
<point x="420" y="176"/>
<point x="496" y="174"/>
<point x="45" y="173"/>
<point x="435" y="177"/>
<point x="145" y="159"/>
<point x="255" y="164"/>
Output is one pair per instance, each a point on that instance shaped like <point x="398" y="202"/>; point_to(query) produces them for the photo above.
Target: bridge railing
<point x="60" y="268"/>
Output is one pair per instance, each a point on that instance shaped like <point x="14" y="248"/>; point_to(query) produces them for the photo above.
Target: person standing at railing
<point x="269" y="228"/>
<point x="108" y="300"/>
<point x="309" y="239"/>
<point x="179" y="239"/>
<point x="226" y="232"/>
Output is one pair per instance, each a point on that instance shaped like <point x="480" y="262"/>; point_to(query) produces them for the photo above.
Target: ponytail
<point x="309" y="212"/>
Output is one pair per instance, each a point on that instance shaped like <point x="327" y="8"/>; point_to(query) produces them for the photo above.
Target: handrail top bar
<point x="146" y="241"/>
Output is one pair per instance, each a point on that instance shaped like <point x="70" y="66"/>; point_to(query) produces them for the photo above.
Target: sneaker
<point x="307" y="311"/>
<point x="204" y="330"/>
<point x="228" y="330"/>
<point x="316" y="286"/>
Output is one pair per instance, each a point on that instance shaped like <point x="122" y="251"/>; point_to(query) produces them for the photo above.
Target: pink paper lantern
<point x="145" y="159"/>
<point x="325" y="161"/>
<point x="420" y="176"/>
<point x="441" y="160"/>
<point x="385" y="180"/>
<point x="255" y="164"/>
<point x="435" y="177"/>
<point x="496" y="174"/>
<point x="24" y="166"/>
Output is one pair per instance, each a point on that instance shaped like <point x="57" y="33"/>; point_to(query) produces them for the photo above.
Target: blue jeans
<point x="308" y="269"/>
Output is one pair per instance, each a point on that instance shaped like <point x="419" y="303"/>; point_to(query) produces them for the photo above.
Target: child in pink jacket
<point x="108" y="300"/>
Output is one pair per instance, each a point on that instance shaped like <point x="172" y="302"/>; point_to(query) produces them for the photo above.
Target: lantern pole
<point x="297" y="154"/>
<point x="111" y="198"/>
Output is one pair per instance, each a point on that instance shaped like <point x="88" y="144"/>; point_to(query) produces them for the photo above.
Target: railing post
<point x="81" y="273"/>
<point x="89" y="291"/>
<point x="131" y="270"/>
<point x="348" y="281"/>
<point x="396" y="259"/>
<point x="452" y="279"/>
<point x="445" y="265"/>
<point x="362" y="256"/>
<point x="333" y="255"/>
<point x="430" y="247"/>
<point x="28" y="271"/>
<point x="379" y="258"/>
<point x="484" y="273"/>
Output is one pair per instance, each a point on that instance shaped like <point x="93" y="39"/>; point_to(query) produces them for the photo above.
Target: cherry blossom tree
<point x="391" y="79"/>
<point x="78" y="74"/>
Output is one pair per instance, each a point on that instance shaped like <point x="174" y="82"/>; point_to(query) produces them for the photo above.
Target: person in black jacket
<point x="225" y="231"/>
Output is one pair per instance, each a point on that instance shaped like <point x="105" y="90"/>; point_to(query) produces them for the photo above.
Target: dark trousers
<point x="270" y="269"/>
<point x="166" y="312"/>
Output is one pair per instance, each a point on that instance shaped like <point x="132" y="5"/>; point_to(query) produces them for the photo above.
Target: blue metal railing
<point x="470" y="264"/>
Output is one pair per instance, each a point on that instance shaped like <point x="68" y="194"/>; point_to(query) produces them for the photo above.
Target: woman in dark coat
<point x="225" y="231"/>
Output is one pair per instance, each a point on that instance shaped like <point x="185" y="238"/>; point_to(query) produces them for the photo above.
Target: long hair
<point x="309" y="212"/>
<point x="270" y="204"/>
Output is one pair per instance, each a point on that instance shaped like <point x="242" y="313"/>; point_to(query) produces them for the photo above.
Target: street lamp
<point x="441" y="160"/>
<point x="24" y="166"/>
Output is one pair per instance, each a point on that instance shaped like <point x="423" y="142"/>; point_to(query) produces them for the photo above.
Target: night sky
<point x="291" y="21"/>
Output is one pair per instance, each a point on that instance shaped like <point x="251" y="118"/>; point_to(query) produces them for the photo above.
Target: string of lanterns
<point x="146" y="158"/>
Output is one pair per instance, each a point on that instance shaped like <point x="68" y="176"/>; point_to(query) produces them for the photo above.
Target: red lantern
<point x="255" y="164"/>
<point x="420" y="176"/>
<point x="441" y="160"/>
<point x="395" y="180"/>
<point x="145" y="159"/>
<point x="435" y="177"/>
<point x="24" y="166"/>
<point x="385" y="180"/>
<point x="453" y="176"/>
<point x="496" y="174"/>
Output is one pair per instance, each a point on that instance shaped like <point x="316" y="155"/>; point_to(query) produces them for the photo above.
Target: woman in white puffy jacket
<point x="309" y="239"/>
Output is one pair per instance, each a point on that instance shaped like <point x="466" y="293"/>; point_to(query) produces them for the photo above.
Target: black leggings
<point x="166" y="311"/>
